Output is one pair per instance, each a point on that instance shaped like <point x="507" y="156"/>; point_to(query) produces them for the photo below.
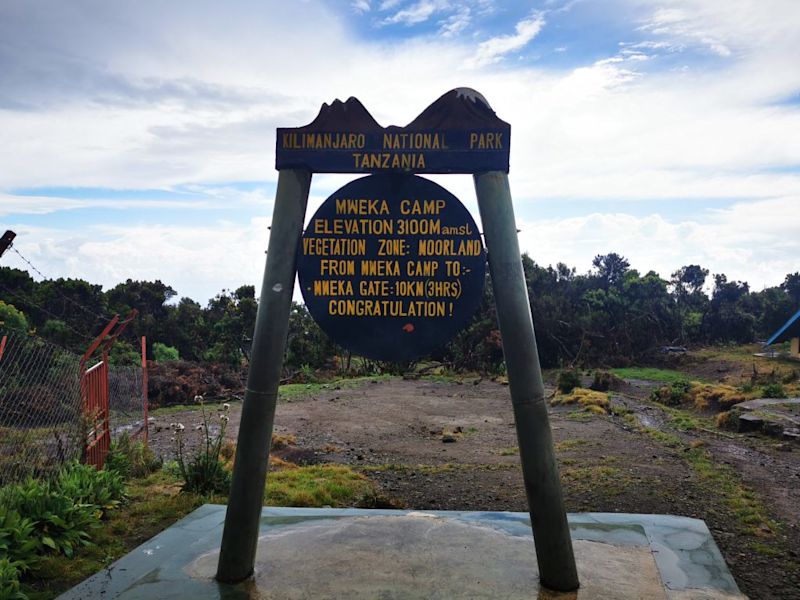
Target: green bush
<point x="673" y="394"/>
<point x="84" y="484"/>
<point x="60" y="525"/>
<point x="604" y="381"/>
<point x="17" y="542"/>
<point x="568" y="381"/>
<point x="773" y="390"/>
<point x="162" y="352"/>
<point x="9" y="581"/>
<point x="131" y="459"/>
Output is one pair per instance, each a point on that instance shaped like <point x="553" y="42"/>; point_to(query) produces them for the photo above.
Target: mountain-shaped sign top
<point x="458" y="133"/>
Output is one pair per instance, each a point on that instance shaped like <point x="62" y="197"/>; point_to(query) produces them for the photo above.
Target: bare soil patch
<point x="450" y="445"/>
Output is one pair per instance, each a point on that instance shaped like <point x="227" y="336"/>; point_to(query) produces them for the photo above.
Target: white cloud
<point x="12" y="204"/>
<point x="418" y="12"/>
<point x="456" y="23"/>
<point x="193" y="99"/>
<point x="493" y="50"/>
<point x="744" y="241"/>
<point x="360" y="6"/>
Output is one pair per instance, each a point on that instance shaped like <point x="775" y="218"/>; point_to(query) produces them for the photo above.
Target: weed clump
<point x="130" y="458"/>
<point x="604" y="381"/>
<point x="719" y="396"/>
<point x="701" y="395"/>
<point x="672" y="394"/>
<point x="568" y="381"/>
<point x="205" y="473"/>
<point x="592" y="401"/>
<point x="773" y="390"/>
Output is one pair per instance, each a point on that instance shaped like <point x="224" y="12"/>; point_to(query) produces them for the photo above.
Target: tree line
<point x="610" y="315"/>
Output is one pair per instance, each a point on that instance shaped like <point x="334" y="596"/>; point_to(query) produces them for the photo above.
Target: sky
<point x="137" y="137"/>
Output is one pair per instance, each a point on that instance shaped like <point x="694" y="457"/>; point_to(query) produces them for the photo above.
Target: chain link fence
<point x="42" y="425"/>
<point x="40" y="407"/>
<point x="126" y="401"/>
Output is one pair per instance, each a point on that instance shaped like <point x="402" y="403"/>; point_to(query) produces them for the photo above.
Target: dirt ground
<point x="451" y="445"/>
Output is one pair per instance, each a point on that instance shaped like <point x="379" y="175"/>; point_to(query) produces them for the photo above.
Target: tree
<point x="728" y="317"/>
<point x="13" y="319"/>
<point x="150" y="299"/>
<point x="611" y="268"/>
<point x="791" y="286"/>
<point x="691" y="301"/>
<point x="232" y="319"/>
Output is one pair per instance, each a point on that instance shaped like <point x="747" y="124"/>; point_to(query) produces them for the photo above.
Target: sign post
<point x="240" y="535"/>
<point x="459" y="133"/>
<point x="535" y="439"/>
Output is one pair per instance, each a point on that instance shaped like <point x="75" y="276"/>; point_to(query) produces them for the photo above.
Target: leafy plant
<point x="9" y="581"/>
<point x="17" y="541"/>
<point x="84" y="484"/>
<point x="130" y="458"/>
<point x="60" y="525"/>
<point x="204" y="473"/>
<point x="773" y="390"/>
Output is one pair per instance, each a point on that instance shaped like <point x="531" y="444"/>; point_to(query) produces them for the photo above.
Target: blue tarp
<point x="790" y="329"/>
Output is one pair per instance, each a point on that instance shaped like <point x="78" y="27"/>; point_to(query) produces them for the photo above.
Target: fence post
<point x="144" y="391"/>
<point x="3" y="346"/>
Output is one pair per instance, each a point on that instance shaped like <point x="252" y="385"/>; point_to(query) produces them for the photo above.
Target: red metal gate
<point x="94" y="393"/>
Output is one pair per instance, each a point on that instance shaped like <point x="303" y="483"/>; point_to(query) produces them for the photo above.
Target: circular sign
<point x="392" y="266"/>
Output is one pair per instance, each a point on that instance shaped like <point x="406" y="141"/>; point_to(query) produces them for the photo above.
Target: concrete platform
<point x="391" y="555"/>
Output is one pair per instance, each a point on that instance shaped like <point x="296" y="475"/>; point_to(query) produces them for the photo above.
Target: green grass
<point x="579" y="415"/>
<point x="513" y="451"/>
<point x="743" y="503"/>
<point x="571" y="444"/>
<point x="291" y="391"/>
<point x="210" y="407"/>
<point x="650" y="374"/>
<point x="317" y="485"/>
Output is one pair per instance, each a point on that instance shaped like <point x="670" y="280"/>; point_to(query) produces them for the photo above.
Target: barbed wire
<point x="44" y="310"/>
<point x="100" y="316"/>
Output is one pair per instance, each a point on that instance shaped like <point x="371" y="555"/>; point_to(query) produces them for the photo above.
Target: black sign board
<point x="392" y="266"/>
<point x="459" y="133"/>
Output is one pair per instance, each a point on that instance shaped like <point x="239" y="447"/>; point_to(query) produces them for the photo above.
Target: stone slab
<point x="389" y="554"/>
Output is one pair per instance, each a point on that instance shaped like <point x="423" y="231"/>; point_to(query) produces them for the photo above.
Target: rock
<point x="784" y="447"/>
<point x="773" y="428"/>
<point x="749" y="422"/>
<point x="448" y="438"/>
<point x="791" y="435"/>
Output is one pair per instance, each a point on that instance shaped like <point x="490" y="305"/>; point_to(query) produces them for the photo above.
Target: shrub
<point x="604" y="381"/>
<point x="676" y="392"/>
<point x="162" y="352"/>
<point x="568" y="380"/>
<point x="131" y="459"/>
<point x="726" y="420"/>
<point x="773" y="390"/>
